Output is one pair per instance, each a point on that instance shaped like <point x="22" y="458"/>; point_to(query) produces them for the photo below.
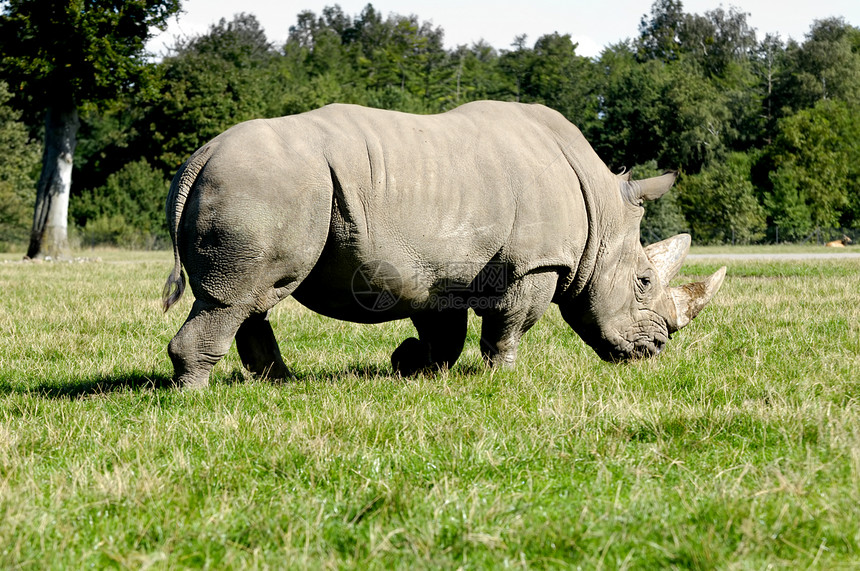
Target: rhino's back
<point x="437" y="197"/>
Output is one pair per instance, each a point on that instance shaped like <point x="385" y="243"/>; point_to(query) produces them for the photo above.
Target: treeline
<point x="765" y="132"/>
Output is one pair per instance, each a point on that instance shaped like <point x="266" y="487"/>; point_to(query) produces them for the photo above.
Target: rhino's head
<point x="626" y="309"/>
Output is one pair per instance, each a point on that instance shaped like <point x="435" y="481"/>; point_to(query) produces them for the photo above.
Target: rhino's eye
<point x="643" y="283"/>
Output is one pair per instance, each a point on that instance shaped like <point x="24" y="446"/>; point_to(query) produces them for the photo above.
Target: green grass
<point x="773" y="249"/>
<point x="738" y="447"/>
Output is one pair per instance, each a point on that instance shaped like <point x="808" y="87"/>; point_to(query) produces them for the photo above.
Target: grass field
<point x="737" y="448"/>
<point x="773" y="249"/>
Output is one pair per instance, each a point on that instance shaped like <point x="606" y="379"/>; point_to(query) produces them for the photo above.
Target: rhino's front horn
<point x="668" y="256"/>
<point x="689" y="299"/>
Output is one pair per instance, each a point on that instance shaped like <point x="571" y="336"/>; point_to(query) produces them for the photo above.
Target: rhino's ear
<point x="636" y="191"/>
<point x="625" y="175"/>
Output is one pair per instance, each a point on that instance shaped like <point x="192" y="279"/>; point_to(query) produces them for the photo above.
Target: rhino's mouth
<point x="645" y="340"/>
<point x="631" y="352"/>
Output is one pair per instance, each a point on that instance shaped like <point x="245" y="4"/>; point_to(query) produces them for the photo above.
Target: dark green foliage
<point x="814" y="169"/>
<point x="79" y="50"/>
<point x="825" y="66"/>
<point x="59" y="56"/>
<point x="629" y="130"/>
<point x="19" y="164"/>
<point x="717" y="40"/>
<point x="693" y="118"/>
<point x="658" y="36"/>
<point x="212" y="82"/>
<point x="127" y="211"/>
<point x="720" y="203"/>
<point x="694" y="92"/>
<point x="557" y="77"/>
<point x="397" y="62"/>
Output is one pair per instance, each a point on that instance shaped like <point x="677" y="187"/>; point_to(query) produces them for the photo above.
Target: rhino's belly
<point x="397" y="265"/>
<point x="366" y="292"/>
<point x="394" y="287"/>
<point x="362" y="307"/>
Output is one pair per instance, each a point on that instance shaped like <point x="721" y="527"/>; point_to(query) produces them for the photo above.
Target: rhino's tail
<point x="180" y="188"/>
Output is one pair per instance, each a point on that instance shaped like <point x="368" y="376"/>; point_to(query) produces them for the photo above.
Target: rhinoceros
<point x="369" y="215"/>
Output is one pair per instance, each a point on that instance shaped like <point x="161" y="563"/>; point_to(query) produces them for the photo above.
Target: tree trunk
<point x="50" y="219"/>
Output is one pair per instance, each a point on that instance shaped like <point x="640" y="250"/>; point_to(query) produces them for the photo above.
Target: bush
<point x="127" y="211"/>
<point x="116" y="231"/>
<point x="720" y="203"/>
<point x="16" y="214"/>
<point x="19" y="168"/>
<point x="813" y="170"/>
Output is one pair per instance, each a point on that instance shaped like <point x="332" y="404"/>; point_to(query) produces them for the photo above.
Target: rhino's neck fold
<point x="594" y="211"/>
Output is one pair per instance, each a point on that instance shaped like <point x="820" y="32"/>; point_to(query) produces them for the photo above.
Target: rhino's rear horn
<point x="668" y="256"/>
<point x="689" y="299"/>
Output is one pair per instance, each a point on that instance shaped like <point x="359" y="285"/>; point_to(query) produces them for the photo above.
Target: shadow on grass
<point x="94" y="386"/>
<point x="330" y="374"/>
<point x="155" y="381"/>
<point x="377" y="370"/>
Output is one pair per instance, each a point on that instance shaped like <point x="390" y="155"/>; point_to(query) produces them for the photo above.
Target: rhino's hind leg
<point x="441" y="335"/>
<point x="203" y="340"/>
<point x="258" y="348"/>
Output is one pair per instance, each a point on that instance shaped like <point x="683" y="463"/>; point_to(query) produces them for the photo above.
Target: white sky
<point x="594" y="24"/>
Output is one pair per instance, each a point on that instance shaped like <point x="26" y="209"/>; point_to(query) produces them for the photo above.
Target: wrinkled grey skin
<point x="302" y="205"/>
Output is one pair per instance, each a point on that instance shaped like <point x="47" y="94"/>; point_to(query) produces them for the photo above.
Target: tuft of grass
<point x="737" y="447"/>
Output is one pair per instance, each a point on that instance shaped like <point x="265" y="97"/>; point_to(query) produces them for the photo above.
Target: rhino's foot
<point x="192" y="382"/>
<point x="412" y="357"/>
<point x="258" y="349"/>
<point x="441" y="337"/>
<point x="503" y="326"/>
<point x="500" y="360"/>
<point x="190" y="373"/>
<point x="202" y="341"/>
<point x="191" y="368"/>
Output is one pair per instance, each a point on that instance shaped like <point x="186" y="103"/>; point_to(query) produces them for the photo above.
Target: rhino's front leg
<point x="441" y="335"/>
<point x="506" y="322"/>
<point x="258" y="348"/>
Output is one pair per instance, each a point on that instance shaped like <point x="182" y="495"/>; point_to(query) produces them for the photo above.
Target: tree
<point x="405" y="62"/>
<point x="19" y="162"/>
<point x="814" y="169"/>
<point x="60" y="55"/>
<point x="515" y="64"/>
<point x="658" y="35"/>
<point x="558" y="78"/>
<point x="717" y="40"/>
<point x="395" y="63"/>
<point x="720" y="203"/>
<point x="768" y="59"/>
<point x="320" y="63"/>
<point x="656" y="111"/>
<point x="478" y="74"/>
<point x="629" y="108"/>
<point x="694" y="118"/>
<point x="825" y="66"/>
<point x="209" y="84"/>
<point x="128" y="210"/>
